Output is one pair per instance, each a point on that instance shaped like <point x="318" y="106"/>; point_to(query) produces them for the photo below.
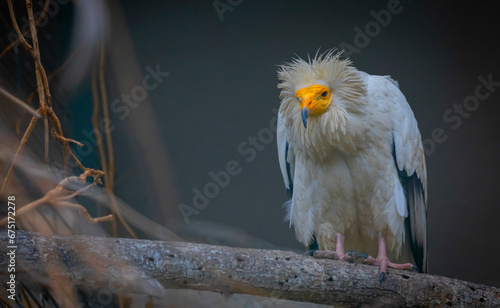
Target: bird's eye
<point x="324" y="93"/>
<point x="299" y="99"/>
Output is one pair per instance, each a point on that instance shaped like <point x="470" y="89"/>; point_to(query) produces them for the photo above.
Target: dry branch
<point x="39" y="19"/>
<point x="154" y="265"/>
<point x="45" y="102"/>
<point x="57" y="197"/>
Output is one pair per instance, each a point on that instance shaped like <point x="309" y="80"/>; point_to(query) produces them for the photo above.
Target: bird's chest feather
<point x="341" y="195"/>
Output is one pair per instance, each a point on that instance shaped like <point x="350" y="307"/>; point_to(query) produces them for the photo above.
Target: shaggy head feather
<point x="344" y="115"/>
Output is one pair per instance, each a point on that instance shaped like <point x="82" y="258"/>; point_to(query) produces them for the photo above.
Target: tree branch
<point x="150" y="267"/>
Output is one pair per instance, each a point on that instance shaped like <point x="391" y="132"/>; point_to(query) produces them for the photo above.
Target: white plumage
<point x="358" y="170"/>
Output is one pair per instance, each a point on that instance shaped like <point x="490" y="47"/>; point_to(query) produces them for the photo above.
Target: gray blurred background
<point x="221" y="91"/>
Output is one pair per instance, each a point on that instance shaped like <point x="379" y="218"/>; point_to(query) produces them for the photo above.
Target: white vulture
<point x="351" y="155"/>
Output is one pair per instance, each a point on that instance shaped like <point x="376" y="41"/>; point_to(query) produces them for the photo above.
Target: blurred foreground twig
<point x="60" y="194"/>
<point x="51" y="121"/>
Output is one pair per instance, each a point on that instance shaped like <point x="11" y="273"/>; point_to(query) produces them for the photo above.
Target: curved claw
<point x="362" y="255"/>
<point x="417" y="269"/>
<point x="381" y="277"/>
<point x="350" y="256"/>
<point x="310" y="252"/>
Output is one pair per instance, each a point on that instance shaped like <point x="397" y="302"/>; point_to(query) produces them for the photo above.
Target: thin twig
<point x="105" y="109"/>
<point x="20" y="149"/>
<point x="54" y="73"/>
<point x="39" y="19"/>
<point x="28" y="207"/>
<point x="109" y="176"/>
<point x="110" y="171"/>
<point x="58" y="196"/>
<point x="45" y="83"/>
<point x="95" y="125"/>
<point x="42" y="88"/>
<point x="43" y="91"/>
<point x="75" y="159"/>
<point x="20" y="103"/>
<point x="96" y="174"/>
<point x="83" y="212"/>
<point x="63" y="139"/>
<point x="26" y="45"/>
<point x="95" y="121"/>
<point x="43" y="108"/>
<point x="46" y="153"/>
<point x="76" y="193"/>
<point x="57" y="131"/>
<point x="107" y="218"/>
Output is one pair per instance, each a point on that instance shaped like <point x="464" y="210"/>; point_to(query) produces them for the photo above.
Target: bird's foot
<point x="384" y="263"/>
<point x="350" y="256"/>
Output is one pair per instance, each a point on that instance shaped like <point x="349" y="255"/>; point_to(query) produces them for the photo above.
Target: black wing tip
<point x="412" y="187"/>
<point x="314" y="244"/>
<point x="289" y="191"/>
<point x="288" y="172"/>
<point x="414" y="190"/>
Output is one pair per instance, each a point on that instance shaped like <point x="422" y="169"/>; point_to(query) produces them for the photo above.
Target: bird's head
<point x="324" y="87"/>
<point x="313" y="101"/>
<point x="323" y="105"/>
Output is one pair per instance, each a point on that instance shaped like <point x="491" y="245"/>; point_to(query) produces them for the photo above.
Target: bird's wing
<point x="408" y="154"/>
<point x="285" y="156"/>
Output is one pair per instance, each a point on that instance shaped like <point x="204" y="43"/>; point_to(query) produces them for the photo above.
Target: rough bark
<point x="149" y="267"/>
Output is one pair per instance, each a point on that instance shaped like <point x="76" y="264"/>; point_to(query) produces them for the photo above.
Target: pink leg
<point x="383" y="262"/>
<point x="340" y="246"/>
<point x="338" y="254"/>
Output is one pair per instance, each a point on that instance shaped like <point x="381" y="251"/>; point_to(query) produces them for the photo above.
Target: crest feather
<point x="348" y="101"/>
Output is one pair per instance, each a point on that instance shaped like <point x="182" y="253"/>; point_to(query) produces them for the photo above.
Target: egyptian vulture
<point x="351" y="155"/>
